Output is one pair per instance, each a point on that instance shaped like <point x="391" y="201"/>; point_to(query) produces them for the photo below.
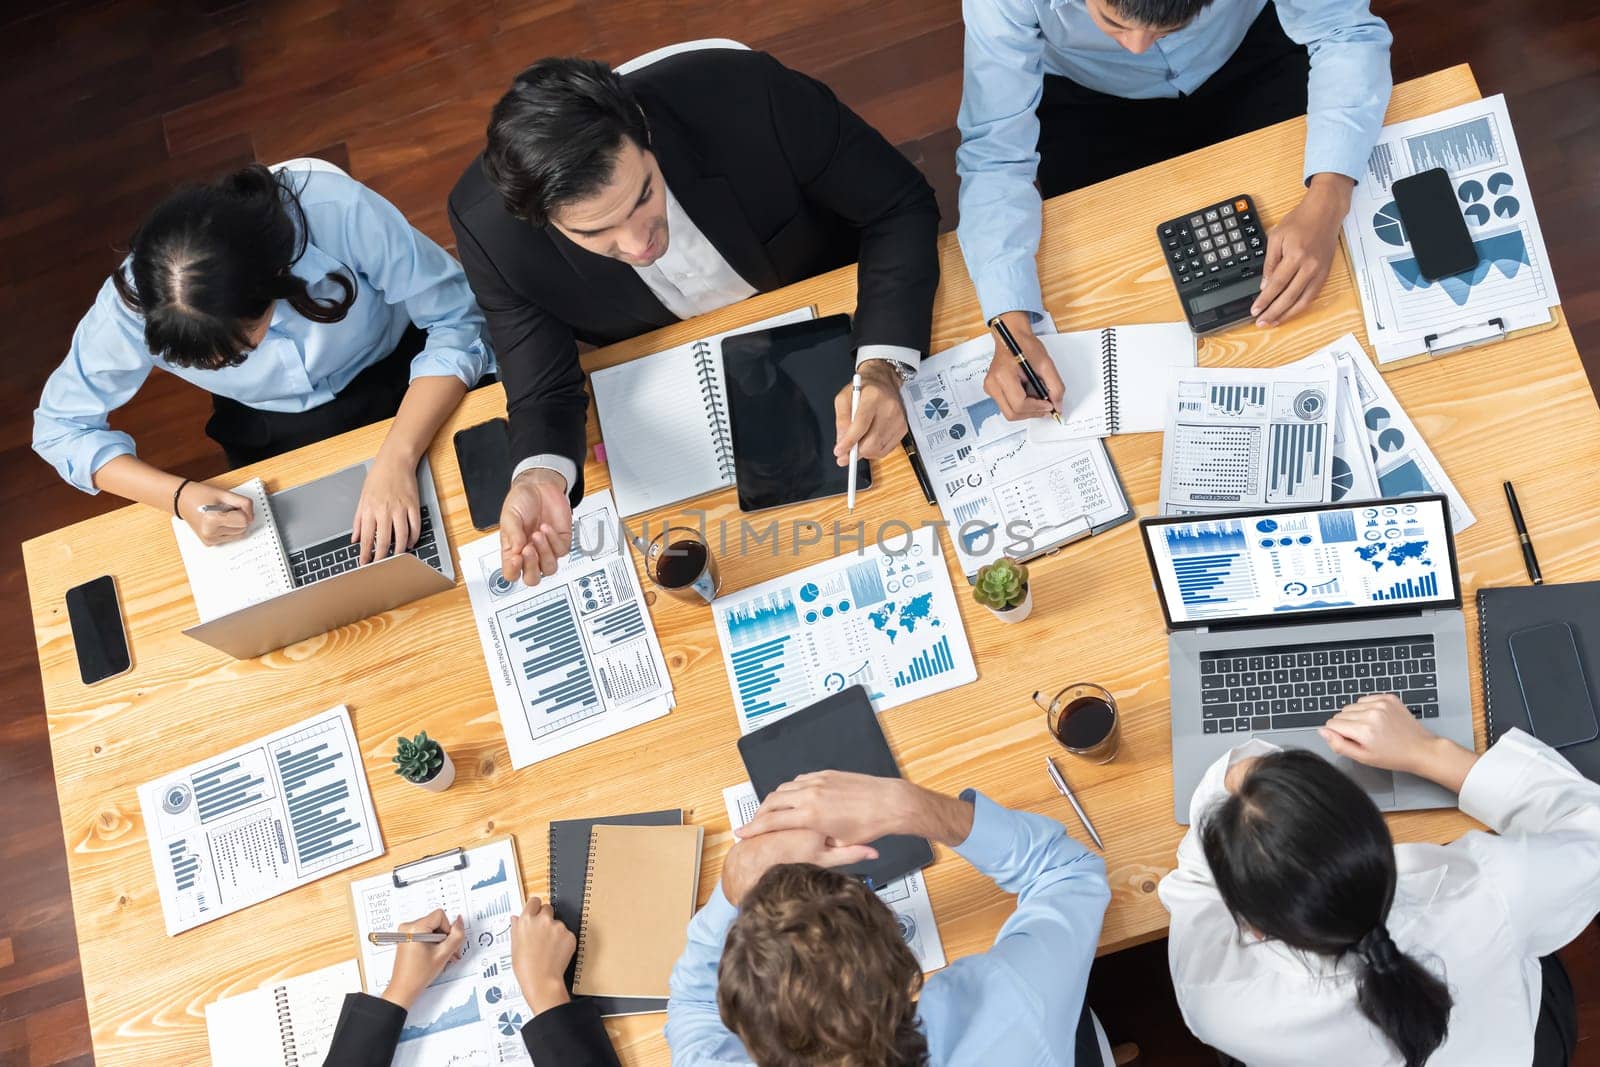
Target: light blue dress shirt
<point x="401" y="277"/>
<point x="1018" y="1003"/>
<point x="1012" y="44"/>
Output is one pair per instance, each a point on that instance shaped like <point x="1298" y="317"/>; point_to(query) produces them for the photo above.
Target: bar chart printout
<point x="259" y="820"/>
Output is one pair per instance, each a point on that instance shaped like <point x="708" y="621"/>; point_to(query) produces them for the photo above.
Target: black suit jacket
<point x="779" y="175"/>
<point x="570" y="1035"/>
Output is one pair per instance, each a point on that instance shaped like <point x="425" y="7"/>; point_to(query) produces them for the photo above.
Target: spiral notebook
<point x="569" y="870"/>
<point x="1115" y="378"/>
<point x="664" y="418"/>
<point x="1502" y="611"/>
<point x="642" y="886"/>
<point x="234" y="575"/>
<point x="281" y="1024"/>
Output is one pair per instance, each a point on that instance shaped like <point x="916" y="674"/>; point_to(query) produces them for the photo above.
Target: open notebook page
<point x="287" y="1023"/>
<point x="227" y="577"/>
<point x="664" y="418"/>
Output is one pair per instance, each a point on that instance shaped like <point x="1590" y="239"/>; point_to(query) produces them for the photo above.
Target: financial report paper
<point x="259" y="820"/>
<point x="574" y="658"/>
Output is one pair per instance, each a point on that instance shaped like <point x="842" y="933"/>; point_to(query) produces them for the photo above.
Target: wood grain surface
<point x="1519" y="410"/>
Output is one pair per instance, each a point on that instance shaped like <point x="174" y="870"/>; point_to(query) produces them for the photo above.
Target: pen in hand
<point x="855" y="449"/>
<point x="1034" y="381"/>
<point x="218" y="508"/>
<point x="395" y="937"/>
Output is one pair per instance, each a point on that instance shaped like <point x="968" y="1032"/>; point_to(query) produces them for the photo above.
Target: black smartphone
<point x="483" y="452"/>
<point x="1550" y="673"/>
<point x="95" y="615"/>
<point x="1434" y="224"/>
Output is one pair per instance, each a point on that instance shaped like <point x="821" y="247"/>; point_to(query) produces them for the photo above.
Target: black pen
<point x="1039" y="391"/>
<point x="918" y="469"/>
<point x="1522" y="536"/>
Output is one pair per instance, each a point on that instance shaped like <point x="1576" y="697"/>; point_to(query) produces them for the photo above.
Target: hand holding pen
<point x="1022" y="378"/>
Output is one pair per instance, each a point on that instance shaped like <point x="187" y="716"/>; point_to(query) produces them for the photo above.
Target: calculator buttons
<point x="1215" y="228"/>
<point x="1196" y="221"/>
<point x="1255" y="242"/>
<point x="1225" y="210"/>
<point x="1211" y="216"/>
<point x="1241" y="205"/>
<point x="1166" y="231"/>
<point x="1194" y="264"/>
<point x="1210" y="257"/>
<point x="1238" y="248"/>
<point x="1205" y="245"/>
<point x="1231" y="222"/>
<point x="1183" y="277"/>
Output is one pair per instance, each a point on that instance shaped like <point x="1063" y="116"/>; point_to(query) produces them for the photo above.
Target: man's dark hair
<point x="555" y="134"/>
<point x="815" y="971"/>
<point x="1158" y="14"/>
<point x="1301" y="854"/>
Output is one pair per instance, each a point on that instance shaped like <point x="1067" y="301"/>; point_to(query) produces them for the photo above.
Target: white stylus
<point x="855" y="449"/>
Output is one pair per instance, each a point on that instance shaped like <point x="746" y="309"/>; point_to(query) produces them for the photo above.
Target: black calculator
<point x="1215" y="255"/>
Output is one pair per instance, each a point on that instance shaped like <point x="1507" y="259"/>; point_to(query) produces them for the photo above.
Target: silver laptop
<point x="1279" y="618"/>
<point x="331" y="589"/>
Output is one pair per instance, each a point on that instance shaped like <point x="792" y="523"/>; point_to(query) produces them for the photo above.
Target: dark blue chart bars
<point x="226" y="789"/>
<point x="316" y="791"/>
<point x="1209" y="562"/>
<point x="552" y="648"/>
<point x="1411" y="589"/>
<point x="757" y="671"/>
<point x="933" y="661"/>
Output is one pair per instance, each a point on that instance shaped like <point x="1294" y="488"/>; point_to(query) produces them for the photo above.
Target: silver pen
<point x="1061" y="784"/>
<point x="208" y="508"/>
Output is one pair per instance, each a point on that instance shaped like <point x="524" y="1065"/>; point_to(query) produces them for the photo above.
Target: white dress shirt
<point x="1479" y="912"/>
<point x="693" y="278"/>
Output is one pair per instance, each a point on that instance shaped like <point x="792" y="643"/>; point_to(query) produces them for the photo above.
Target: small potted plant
<point x="422" y="761"/>
<point x="1002" y="587"/>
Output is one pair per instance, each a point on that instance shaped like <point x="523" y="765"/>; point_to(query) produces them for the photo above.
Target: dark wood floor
<point x="105" y="104"/>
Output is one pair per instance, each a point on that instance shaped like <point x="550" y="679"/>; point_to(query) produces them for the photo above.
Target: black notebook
<point x="1502" y="613"/>
<point x="569" y="868"/>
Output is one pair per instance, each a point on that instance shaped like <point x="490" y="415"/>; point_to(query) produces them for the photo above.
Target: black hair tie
<point x="1379" y="951"/>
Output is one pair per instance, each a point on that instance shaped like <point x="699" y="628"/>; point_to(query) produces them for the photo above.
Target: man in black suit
<point x="606" y="206"/>
<point x="562" y="1030"/>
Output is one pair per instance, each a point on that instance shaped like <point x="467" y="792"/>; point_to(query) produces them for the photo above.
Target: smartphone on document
<point x="1434" y="224"/>
<point x="484" y="454"/>
<point x="1554" y="687"/>
<point x="95" y="615"/>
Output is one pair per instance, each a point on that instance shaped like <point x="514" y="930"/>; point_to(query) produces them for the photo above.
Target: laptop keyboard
<point x="1250" y="689"/>
<point x="338" y="554"/>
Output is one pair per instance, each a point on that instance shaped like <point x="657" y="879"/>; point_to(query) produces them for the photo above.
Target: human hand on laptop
<point x="389" y="513"/>
<point x="1379" y="731"/>
<point x="853" y="809"/>
<point x="880" y="420"/>
<point x="535" y="525"/>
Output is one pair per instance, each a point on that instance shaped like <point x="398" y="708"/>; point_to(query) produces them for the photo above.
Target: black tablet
<point x="838" y="733"/>
<point x="781" y="385"/>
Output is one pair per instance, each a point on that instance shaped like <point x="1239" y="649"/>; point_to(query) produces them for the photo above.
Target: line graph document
<point x="907" y="897"/>
<point x="886" y="620"/>
<point x="574" y="658"/>
<point x="1512" y="280"/>
<point x="1238" y="437"/>
<point x="473" y="1012"/>
<point x="259" y="820"/>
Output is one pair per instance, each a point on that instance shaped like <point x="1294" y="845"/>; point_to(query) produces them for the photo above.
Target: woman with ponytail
<point x="307" y="305"/>
<point x="1302" y="935"/>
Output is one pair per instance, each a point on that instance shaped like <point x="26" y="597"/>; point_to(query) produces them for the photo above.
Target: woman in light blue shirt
<point x="307" y="305"/>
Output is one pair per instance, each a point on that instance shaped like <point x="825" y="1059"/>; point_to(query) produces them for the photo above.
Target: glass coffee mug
<point x="1083" y="720"/>
<point x="680" y="562"/>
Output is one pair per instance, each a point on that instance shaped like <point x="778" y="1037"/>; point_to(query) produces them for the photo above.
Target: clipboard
<point x="1462" y="338"/>
<point x="414" y="874"/>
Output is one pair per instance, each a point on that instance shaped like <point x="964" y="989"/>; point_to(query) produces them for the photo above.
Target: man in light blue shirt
<point x="779" y="921"/>
<point x="1075" y="91"/>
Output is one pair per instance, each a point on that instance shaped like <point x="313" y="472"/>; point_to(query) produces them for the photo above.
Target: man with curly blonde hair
<point x="793" y="964"/>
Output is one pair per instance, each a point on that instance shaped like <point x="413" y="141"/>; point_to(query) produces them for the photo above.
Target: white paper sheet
<point x="259" y="820"/>
<point x="1404" y="465"/>
<point x="574" y="658"/>
<point x="1241" y="437"/>
<point x="907" y="897"/>
<point x="886" y="620"/>
<point x="1002" y="492"/>
<point x="284" y="1023"/>
<point x="473" y="1012"/>
<point x="1512" y="281"/>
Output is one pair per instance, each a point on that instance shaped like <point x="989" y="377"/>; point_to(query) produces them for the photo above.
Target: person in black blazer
<point x="562" y="1031"/>
<point x="609" y="205"/>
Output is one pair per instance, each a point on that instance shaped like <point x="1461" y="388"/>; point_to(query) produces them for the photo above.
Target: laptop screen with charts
<point x="1284" y="564"/>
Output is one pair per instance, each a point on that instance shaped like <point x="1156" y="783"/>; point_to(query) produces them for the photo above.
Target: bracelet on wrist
<point x="176" y="493"/>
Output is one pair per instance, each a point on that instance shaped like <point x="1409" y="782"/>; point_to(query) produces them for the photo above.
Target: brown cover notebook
<point x="642" y="885"/>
